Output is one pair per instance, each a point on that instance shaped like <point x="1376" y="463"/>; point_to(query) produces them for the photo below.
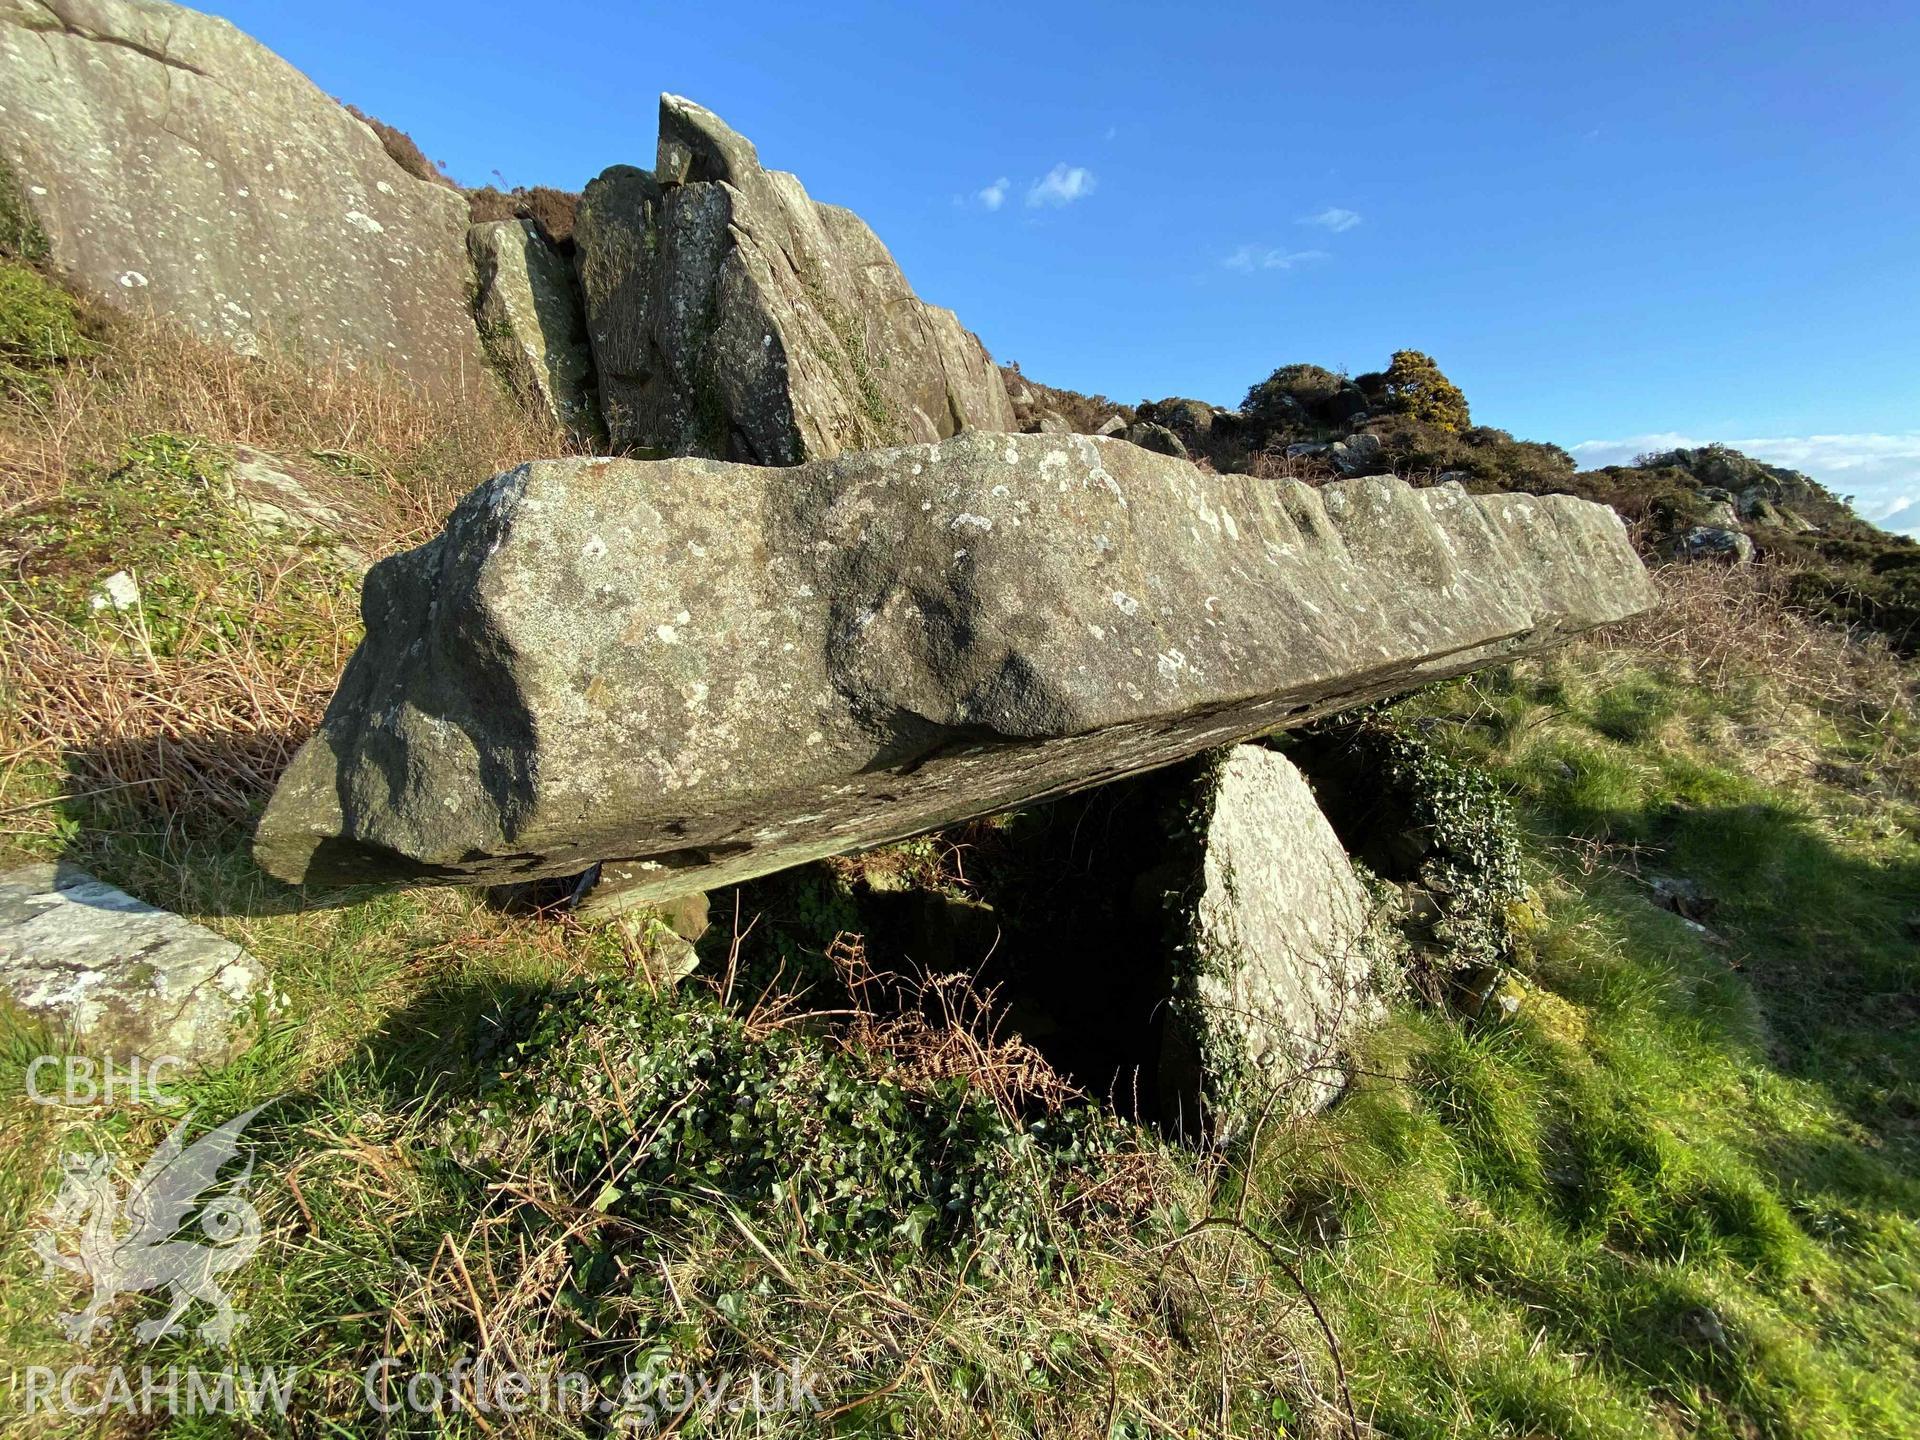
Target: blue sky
<point x="1612" y="225"/>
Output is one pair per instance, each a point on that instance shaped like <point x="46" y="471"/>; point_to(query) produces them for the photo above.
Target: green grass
<point x="1677" y="1191"/>
<point x="20" y="234"/>
<point x="167" y="513"/>
<point x="41" y="328"/>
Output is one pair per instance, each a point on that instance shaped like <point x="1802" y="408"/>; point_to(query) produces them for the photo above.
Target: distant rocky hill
<point x="1710" y="503"/>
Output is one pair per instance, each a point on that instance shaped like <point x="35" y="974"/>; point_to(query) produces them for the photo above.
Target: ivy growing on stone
<point x="1442" y="830"/>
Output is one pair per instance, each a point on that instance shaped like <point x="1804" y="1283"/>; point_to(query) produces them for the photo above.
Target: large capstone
<point x="117" y="978"/>
<point x="732" y="316"/>
<point x="699" y="672"/>
<point x="1281" y="959"/>
<point x="175" y="164"/>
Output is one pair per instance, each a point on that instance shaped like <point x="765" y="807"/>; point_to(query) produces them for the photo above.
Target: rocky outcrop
<point x="531" y="324"/>
<point x="117" y="978"/>
<point x="732" y="316"/>
<point x="1712" y="542"/>
<point x="1157" y="438"/>
<point x="1361" y="454"/>
<point x="595" y="663"/>
<point x="174" y="163"/>
<point x="1282" y="959"/>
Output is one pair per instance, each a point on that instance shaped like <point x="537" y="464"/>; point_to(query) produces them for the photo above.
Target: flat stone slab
<point x="116" y="976"/>
<point x="700" y="672"/>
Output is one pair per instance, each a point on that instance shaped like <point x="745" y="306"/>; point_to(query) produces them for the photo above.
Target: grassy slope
<point x="1676" y="1192"/>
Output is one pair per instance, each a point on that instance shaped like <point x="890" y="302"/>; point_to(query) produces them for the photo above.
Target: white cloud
<point x="1061" y="185"/>
<point x="1249" y="258"/>
<point x="1594" y="454"/>
<point x="1332" y="218"/>
<point x="994" y="195"/>
<point x="1880" y="471"/>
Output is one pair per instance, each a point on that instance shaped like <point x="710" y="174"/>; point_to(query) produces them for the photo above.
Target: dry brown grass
<point x="208" y="722"/>
<point x="402" y="149"/>
<point x="1276" y="464"/>
<point x="1728" y="621"/>
<point x="180" y="735"/>
<point x="1736" y="631"/>
<point x="554" y="211"/>
<point x="935" y="1028"/>
<point x="151" y="377"/>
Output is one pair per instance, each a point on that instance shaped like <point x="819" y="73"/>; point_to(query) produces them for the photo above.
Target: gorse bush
<point x="1297" y="401"/>
<point x="1414" y="385"/>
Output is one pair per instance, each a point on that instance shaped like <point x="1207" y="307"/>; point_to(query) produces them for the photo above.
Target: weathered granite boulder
<point x="700" y="672"/>
<point x="175" y="163"/>
<point x="1762" y="505"/>
<point x="1157" y="438"/>
<point x="115" y="976"/>
<point x="1712" y="542"/>
<point x="732" y="316"/>
<point x="530" y="322"/>
<point x="1716" y="514"/>
<point x="1361" y="454"/>
<point x="1199" y="425"/>
<point x="1282" y="958"/>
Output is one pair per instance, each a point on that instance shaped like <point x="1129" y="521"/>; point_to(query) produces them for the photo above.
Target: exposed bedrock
<point x="733" y="316"/>
<point x="175" y="164"/>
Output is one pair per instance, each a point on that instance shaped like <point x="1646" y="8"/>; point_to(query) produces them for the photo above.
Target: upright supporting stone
<point x="530" y="323"/>
<point x="1280" y="961"/>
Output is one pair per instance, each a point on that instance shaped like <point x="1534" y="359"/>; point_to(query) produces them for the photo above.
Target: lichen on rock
<point x="1283" y="954"/>
<point x="733" y="316"/>
<point x="595" y="662"/>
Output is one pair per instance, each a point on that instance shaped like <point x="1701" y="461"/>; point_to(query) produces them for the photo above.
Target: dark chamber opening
<point x="1061" y="912"/>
